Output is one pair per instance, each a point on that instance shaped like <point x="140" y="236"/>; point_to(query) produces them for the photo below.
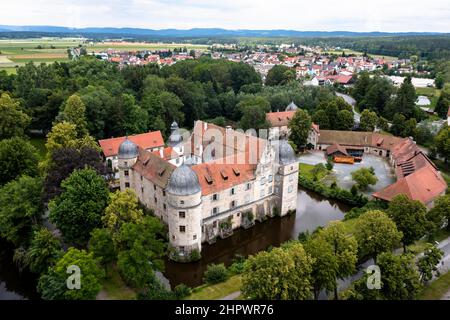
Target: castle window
<point x="182" y="214"/>
<point x="238" y="214"/>
<point x="233" y="191"/>
<point x="142" y="189"/>
<point x="215" y="197"/>
<point x="156" y="200"/>
<point x="233" y="204"/>
<point x="215" y="224"/>
<point x="270" y="178"/>
<point x="126" y="163"/>
<point x="270" y="190"/>
<point x="141" y="177"/>
<point x="290" y="188"/>
<point x="164" y="206"/>
<point x="194" y="237"/>
<point x="127" y="184"/>
<point x="173" y="237"/>
<point x="263" y="181"/>
<point x="181" y="201"/>
<point x="154" y="187"/>
<point x="182" y="229"/>
<point x="164" y="193"/>
<point x="126" y="173"/>
<point x="181" y="249"/>
<point x="215" y="210"/>
<point x="248" y="186"/>
<point x="277" y="190"/>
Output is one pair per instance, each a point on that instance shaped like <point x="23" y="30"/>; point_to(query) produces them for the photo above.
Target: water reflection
<point x="14" y="285"/>
<point x="312" y="211"/>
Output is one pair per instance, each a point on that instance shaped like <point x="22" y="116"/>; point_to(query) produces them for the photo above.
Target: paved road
<point x="351" y="102"/>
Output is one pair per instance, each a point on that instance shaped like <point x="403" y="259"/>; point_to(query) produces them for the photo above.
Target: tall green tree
<point x="376" y="233"/>
<point x="122" y="208"/>
<point x="368" y="120"/>
<point x="17" y="157"/>
<point x="364" y="177"/>
<point x="344" y="120"/>
<point x="400" y="278"/>
<point x="410" y="218"/>
<point x="440" y="213"/>
<point x="74" y="111"/>
<point x="324" y="266"/>
<point x="141" y="248"/>
<point x="279" y="75"/>
<point x="13" y="121"/>
<point x="53" y="284"/>
<point x="44" y="251"/>
<point x="281" y="274"/>
<point x="427" y="264"/>
<point x="253" y="110"/>
<point x="300" y="125"/>
<point x="21" y="209"/>
<point x="79" y="209"/>
<point x="442" y="142"/>
<point x="345" y="250"/>
<point x="102" y="246"/>
<point x="443" y="103"/>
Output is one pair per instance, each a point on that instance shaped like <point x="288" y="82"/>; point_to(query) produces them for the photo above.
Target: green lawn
<point x="436" y="289"/>
<point x="217" y="291"/>
<point x="114" y="287"/>
<point x="305" y="170"/>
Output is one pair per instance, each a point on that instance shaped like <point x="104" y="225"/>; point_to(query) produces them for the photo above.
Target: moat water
<point x="312" y="211"/>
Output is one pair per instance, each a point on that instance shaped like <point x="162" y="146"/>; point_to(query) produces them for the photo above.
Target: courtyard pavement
<point x="342" y="172"/>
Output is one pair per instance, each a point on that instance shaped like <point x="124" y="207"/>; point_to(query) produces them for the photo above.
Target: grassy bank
<point x="113" y="287"/>
<point x="436" y="289"/>
<point x="216" y="291"/>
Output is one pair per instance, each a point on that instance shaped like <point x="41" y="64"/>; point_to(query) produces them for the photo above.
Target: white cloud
<point x="352" y="15"/>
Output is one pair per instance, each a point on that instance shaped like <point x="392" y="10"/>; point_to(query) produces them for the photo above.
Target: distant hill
<point x="201" y="32"/>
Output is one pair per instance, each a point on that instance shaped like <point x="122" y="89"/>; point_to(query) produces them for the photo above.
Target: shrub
<point x="216" y="273"/>
<point x="181" y="291"/>
<point x="195" y="255"/>
<point x="238" y="264"/>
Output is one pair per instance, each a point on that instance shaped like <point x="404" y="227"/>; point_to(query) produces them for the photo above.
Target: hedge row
<point x="343" y="195"/>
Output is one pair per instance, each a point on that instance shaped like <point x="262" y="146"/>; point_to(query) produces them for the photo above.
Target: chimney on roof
<point x="228" y="128"/>
<point x="161" y="152"/>
<point x="205" y="126"/>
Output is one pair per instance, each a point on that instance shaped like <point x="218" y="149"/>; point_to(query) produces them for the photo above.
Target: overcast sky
<point x="324" y="15"/>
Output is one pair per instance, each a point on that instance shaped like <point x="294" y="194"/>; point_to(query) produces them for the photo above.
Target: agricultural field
<point x="14" y="53"/>
<point x="358" y="53"/>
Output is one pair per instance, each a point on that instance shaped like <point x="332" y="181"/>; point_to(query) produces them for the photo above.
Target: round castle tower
<point x="287" y="182"/>
<point x="127" y="157"/>
<point x="184" y="212"/>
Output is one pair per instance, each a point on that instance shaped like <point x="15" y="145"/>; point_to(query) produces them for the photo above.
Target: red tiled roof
<point x="335" y="148"/>
<point x="153" y="168"/>
<point x="222" y="176"/>
<point x="424" y="185"/>
<point x="148" y="140"/>
<point x="168" y="153"/>
<point x="279" y="119"/>
<point x="343" y="79"/>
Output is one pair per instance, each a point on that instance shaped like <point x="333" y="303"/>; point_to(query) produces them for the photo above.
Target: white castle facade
<point x="226" y="180"/>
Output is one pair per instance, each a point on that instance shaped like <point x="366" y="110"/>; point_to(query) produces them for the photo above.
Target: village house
<point x="228" y="180"/>
<point x="279" y="122"/>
